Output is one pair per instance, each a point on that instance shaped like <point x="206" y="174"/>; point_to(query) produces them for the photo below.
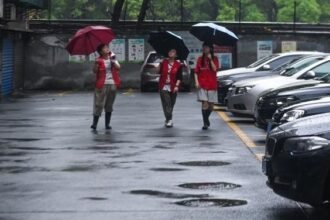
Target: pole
<point x="181" y="9"/>
<point x="239" y="13"/>
<point x="294" y="15"/>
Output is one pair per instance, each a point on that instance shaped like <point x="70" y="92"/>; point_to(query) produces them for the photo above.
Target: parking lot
<point x="54" y="167"/>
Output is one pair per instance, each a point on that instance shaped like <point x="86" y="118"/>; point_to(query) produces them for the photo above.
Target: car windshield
<point x="261" y="61"/>
<point x="154" y="58"/>
<point x="299" y="65"/>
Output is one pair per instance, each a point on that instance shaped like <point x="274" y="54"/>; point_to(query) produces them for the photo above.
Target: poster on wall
<point x="117" y="46"/>
<point x="265" y="49"/>
<point x="77" y="58"/>
<point x="136" y="50"/>
<point x="289" y="46"/>
<point x="226" y="60"/>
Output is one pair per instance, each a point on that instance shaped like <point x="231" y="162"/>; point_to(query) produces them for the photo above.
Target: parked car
<point x="298" y="110"/>
<point x="297" y="157"/>
<point x="225" y="82"/>
<point x="266" y="64"/>
<point x="150" y="73"/>
<point x="268" y="104"/>
<point x="243" y="96"/>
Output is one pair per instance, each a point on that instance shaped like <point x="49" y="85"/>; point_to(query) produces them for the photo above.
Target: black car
<point x="268" y="103"/>
<point x="297" y="157"/>
<point x="298" y="110"/>
<point x="225" y="82"/>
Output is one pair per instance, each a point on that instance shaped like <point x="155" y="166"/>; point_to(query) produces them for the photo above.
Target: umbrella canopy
<point x="86" y="40"/>
<point x="216" y="34"/>
<point x="163" y="42"/>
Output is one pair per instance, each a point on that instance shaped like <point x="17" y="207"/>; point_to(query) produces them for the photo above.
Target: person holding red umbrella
<point x="206" y="81"/>
<point x="106" y="68"/>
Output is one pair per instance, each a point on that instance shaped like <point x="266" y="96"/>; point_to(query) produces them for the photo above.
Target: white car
<point x="243" y="96"/>
<point x="268" y="63"/>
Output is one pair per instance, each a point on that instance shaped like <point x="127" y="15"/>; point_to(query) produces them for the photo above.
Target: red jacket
<point x="175" y="74"/>
<point x="207" y="78"/>
<point x="101" y="74"/>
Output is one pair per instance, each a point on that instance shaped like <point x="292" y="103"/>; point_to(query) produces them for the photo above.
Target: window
<point x="322" y="70"/>
<point x="261" y="61"/>
<point x="1" y="8"/>
<point x="282" y="61"/>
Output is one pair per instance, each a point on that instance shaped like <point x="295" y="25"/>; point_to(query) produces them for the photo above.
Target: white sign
<point x="225" y="60"/>
<point x="1" y="8"/>
<point x="136" y="50"/>
<point x="265" y="49"/>
<point x="77" y="58"/>
<point x="289" y="46"/>
<point x="117" y="46"/>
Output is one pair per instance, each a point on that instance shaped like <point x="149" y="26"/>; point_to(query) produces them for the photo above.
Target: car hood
<point x="250" y="75"/>
<point x="248" y="82"/>
<point x="308" y="126"/>
<point x="322" y="87"/>
<point x="307" y="105"/>
<point x="234" y="71"/>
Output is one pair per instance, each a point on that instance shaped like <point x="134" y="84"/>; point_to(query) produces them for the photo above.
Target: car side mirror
<point x="266" y="67"/>
<point x="309" y="75"/>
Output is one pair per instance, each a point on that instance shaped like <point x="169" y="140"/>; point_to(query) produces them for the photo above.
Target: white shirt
<point x="167" y="86"/>
<point x="109" y="78"/>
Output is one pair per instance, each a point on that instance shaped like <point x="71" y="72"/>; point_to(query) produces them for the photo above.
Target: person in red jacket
<point x="106" y="68"/>
<point x="206" y="81"/>
<point x="169" y="83"/>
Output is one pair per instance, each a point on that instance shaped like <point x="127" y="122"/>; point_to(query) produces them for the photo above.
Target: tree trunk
<point x="143" y="11"/>
<point x="117" y="10"/>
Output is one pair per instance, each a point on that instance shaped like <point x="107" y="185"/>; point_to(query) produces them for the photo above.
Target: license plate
<point x="266" y="166"/>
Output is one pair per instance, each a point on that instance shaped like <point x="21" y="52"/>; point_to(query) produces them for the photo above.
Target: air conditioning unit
<point x="9" y="12"/>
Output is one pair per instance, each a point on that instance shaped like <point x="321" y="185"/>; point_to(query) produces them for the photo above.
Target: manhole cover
<point x="211" y="203"/>
<point x="210" y="186"/>
<point x="168" y="195"/>
<point x="207" y="163"/>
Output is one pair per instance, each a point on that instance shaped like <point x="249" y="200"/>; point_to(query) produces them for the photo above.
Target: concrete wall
<point x="47" y="63"/>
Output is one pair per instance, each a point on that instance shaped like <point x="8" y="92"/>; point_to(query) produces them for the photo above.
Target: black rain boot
<point x="95" y="121"/>
<point x="209" y="112"/>
<point x="107" y="120"/>
<point x="205" y="120"/>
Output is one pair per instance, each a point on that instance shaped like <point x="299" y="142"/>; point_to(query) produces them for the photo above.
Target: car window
<point x="261" y="61"/>
<point x="281" y="61"/>
<point x="300" y="65"/>
<point x="287" y="64"/>
<point x="154" y="58"/>
<point x="322" y="70"/>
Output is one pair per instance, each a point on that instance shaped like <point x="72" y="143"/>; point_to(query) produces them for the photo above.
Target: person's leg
<point x="99" y="96"/>
<point x="110" y="99"/>
<point x="172" y="104"/>
<point x="166" y="103"/>
<point x="206" y="122"/>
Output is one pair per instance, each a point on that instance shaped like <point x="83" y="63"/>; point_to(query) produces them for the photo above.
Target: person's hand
<point x="176" y="89"/>
<point x="209" y="56"/>
<point x="197" y="85"/>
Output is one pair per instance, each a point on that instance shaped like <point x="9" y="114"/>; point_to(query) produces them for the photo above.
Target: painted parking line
<point x="248" y="142"/>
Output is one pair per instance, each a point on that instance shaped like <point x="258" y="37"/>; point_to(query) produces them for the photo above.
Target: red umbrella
<point x="86" y="40"/>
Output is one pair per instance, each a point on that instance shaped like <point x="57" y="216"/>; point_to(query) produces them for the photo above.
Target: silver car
<point x="243" y="96"/>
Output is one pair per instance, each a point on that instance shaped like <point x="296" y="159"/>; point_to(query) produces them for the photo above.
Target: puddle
<point x="95" y="198"/>
<point x="13" y="154"/>
<point x="211" y="203"/>
<point x="162" y="147"/>
<point x="207" y="163"/>
<point x="79" y="168"/>
<point x="210" y="186"/>
<point x="31" y="148"/>
<point x="17" y="169"/>
<point x="168" y="169"/>
<point x="23" y="139"/>
<point x="168" y="195"/>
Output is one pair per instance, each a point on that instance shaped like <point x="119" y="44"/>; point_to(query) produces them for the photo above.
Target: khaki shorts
<point x="207" y="96"/>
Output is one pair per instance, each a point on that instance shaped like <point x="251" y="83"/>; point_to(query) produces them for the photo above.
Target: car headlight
<point x="292" y="115"/>
<point x="243" y="90"/>
<point x="305" y="144"/>
<point x="283" y="100"/>
<point x="226" y="82"/>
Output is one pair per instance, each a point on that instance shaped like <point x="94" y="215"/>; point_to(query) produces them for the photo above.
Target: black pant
<point x="168" y="101"/>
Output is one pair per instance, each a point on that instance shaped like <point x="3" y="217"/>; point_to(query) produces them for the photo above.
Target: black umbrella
<point x="216" y="34"/>
<point x="163" y="42"/>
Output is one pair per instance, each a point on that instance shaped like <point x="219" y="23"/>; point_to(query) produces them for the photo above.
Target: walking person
<point x="206" y="81"/>
<point x="106" y="68"/>
<point x="169" y="83"/>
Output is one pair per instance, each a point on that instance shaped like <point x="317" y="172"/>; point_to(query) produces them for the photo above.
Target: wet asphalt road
<point x="53" y="167"/>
